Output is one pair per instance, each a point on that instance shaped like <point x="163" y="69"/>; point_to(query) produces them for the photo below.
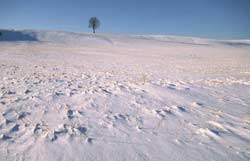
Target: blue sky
<point x="201" y="18"/>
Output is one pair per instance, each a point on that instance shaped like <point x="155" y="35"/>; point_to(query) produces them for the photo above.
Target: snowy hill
<point x="78" y="96"/>
<point x="87" y="38"/>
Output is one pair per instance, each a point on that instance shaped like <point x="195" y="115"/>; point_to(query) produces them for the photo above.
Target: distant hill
<point x="89" y="38"/>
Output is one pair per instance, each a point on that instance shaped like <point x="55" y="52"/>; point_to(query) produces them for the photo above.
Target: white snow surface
<point x="101" y="97"/>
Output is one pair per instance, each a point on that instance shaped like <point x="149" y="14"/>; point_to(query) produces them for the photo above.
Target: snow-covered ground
<point x="83" y="97"/>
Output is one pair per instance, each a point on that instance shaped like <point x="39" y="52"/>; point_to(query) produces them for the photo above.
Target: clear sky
<point x="200" y="18"/>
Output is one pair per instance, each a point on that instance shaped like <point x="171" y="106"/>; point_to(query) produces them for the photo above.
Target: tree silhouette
<point x="94" y="23"/>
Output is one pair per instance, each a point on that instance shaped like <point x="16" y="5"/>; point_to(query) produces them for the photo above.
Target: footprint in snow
<point x="89" y="140"/>
<point x="15" y="128"/>
<point x="5" y="137"/>
<point x="70" y="114"/>
<point x="162" y="113"/>
<point x="208" y="132"/>
<point x="3" y="102"/>
<point x="22" y="115"/>
<point x="67" y="129"/>
<point x="179" y="108"/>
<point x="58" y="133"/>
<point x="197" y="104"/>
<point x="39" y="129"/>
<point x="27" y="91"/>
<point x="10" y="116"/>
<point x="82" y="130"/>
<point x="11" y="92"/>
<point x="119" y="117"/>
<point x="182" y="109"/>
<point x="172" y="86"/>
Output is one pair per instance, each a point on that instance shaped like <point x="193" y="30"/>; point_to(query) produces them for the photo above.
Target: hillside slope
<point x="88" y="38"/>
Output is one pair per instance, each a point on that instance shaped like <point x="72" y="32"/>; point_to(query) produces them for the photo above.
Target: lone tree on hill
<point x="94" y="23"/>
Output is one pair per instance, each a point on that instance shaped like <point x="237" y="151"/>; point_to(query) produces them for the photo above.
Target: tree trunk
<point x="94" y="28"/>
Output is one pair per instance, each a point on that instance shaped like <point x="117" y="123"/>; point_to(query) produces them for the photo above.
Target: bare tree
<point x="94" y="23"/>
